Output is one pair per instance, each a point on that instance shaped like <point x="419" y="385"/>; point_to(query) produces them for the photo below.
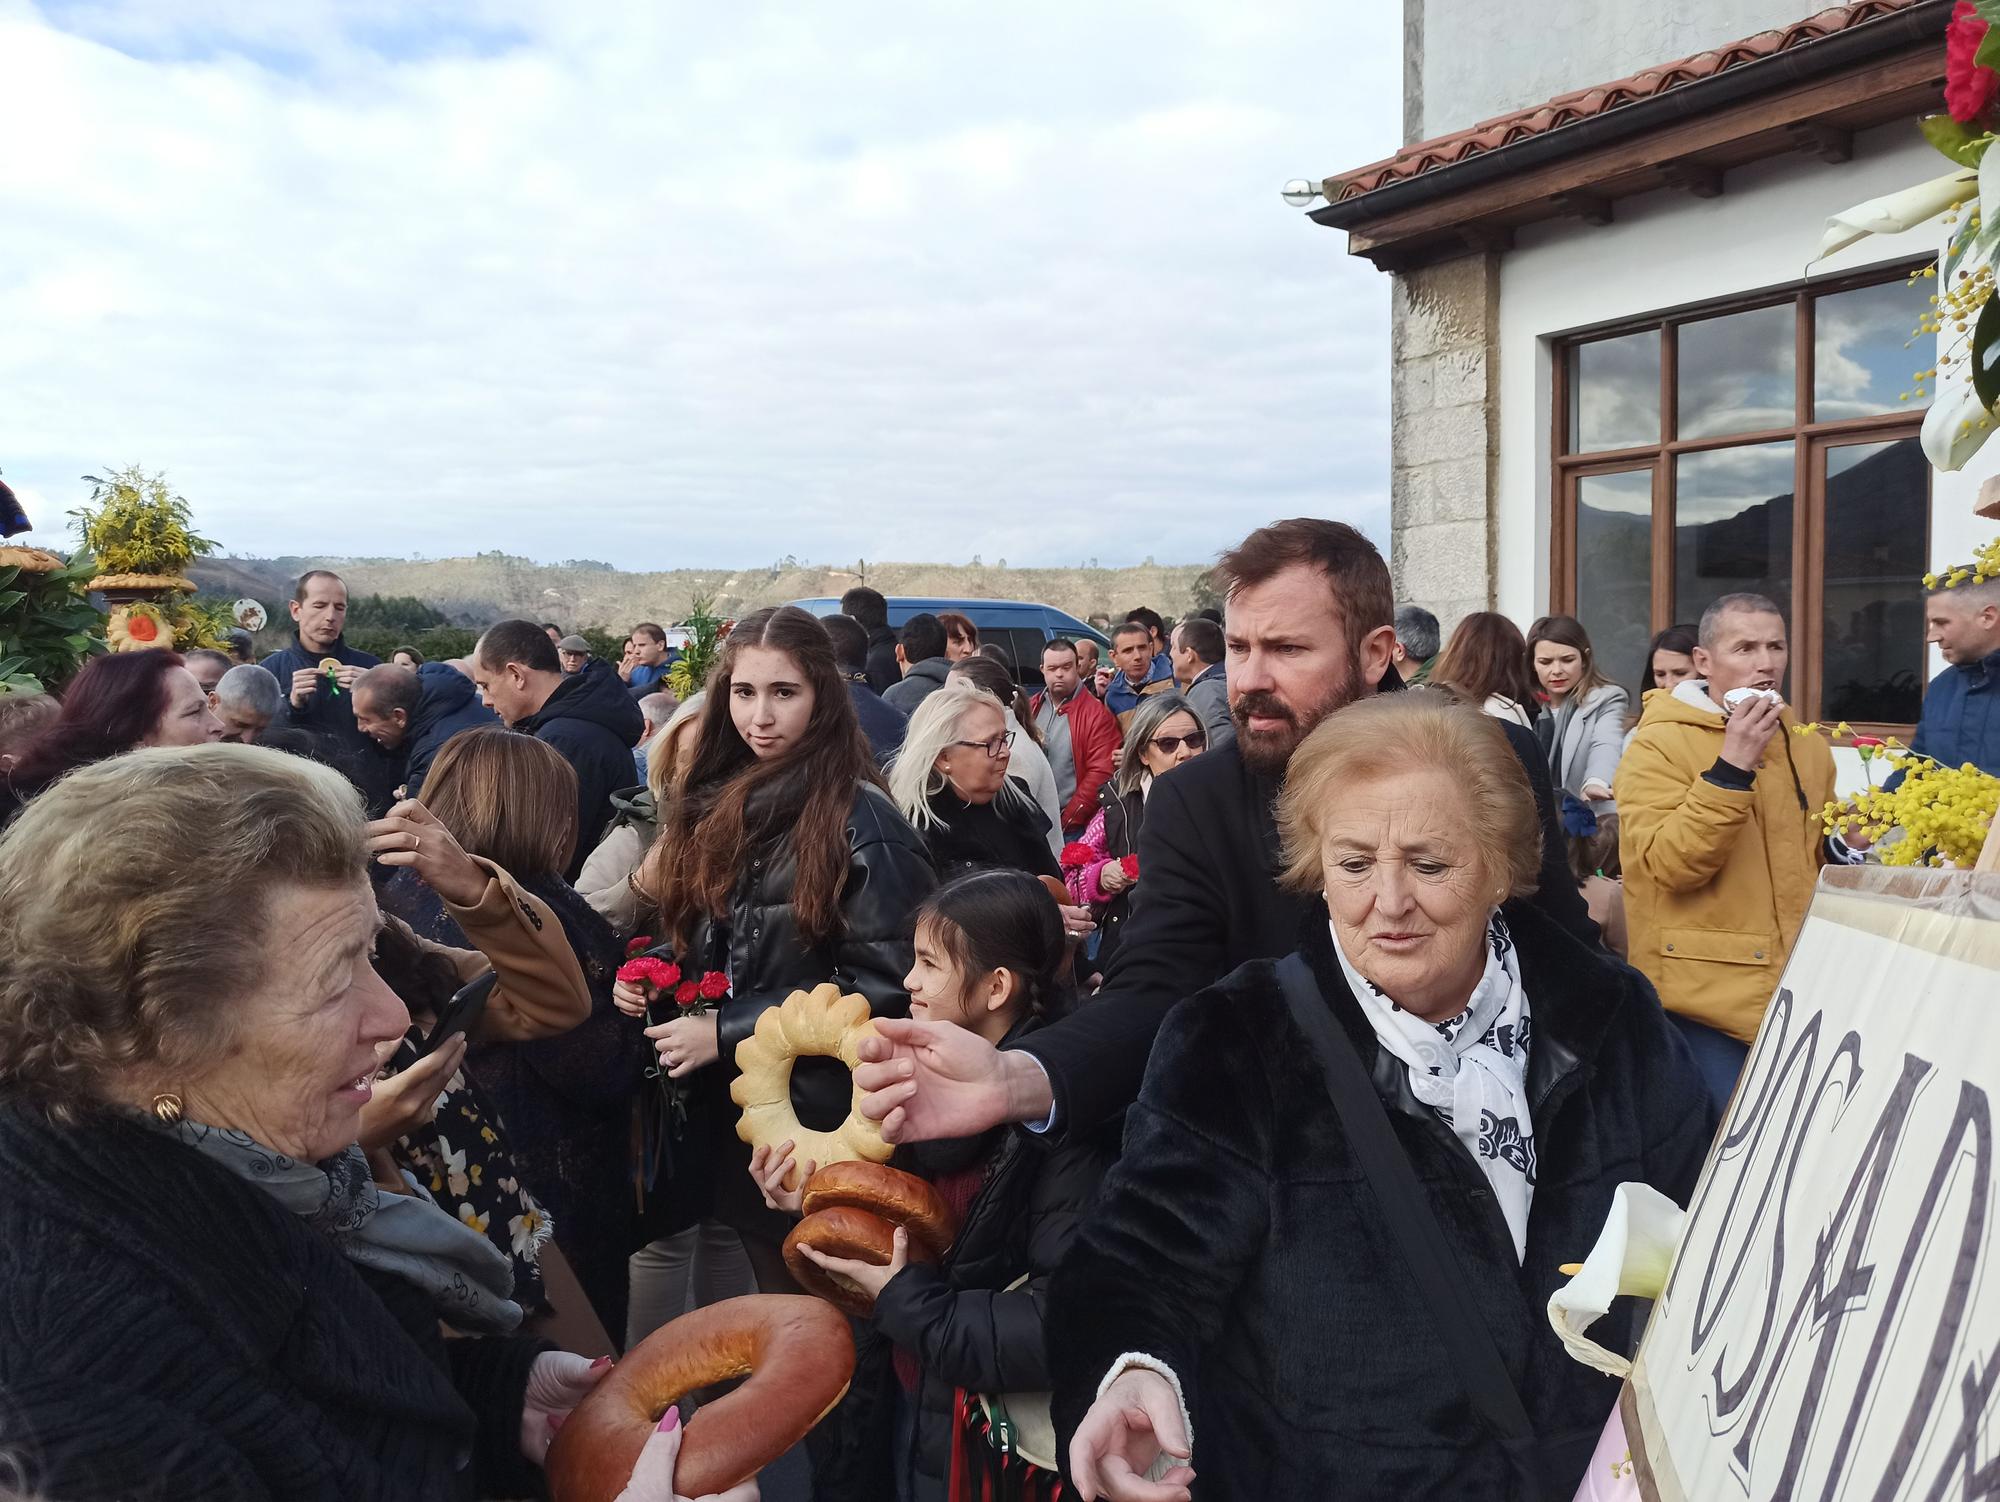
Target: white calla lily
<point x="1953" y="430"/>
<point x="1633" y="1255"/>
<point x="1893" y="213"/>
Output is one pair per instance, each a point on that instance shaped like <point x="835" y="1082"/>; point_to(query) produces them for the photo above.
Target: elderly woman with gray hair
<point x="206" y="1288"/>
<point x="1322" y="1265"/>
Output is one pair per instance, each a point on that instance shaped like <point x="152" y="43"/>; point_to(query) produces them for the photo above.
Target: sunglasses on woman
<point x="1194" y="740"/>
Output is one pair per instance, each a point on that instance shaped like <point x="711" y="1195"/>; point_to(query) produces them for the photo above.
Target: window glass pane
<point x="1866" y="352"/>
<point x="1614" y="393"/>
<point x="1614" y="569"/>
<point x="1736" y="373"/>
<point x="1877" y="508"/>
<point x="1733" y="527"/>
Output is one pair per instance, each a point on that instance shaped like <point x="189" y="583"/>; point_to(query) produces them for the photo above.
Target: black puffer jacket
<point x="448" y="704"/>
<point x="963" y="1321"/>
<point x="1238" y="1241"/>
<point x="593" y="720"/>
<point x="888" y="874"/>
<point x="1124" y="815"/>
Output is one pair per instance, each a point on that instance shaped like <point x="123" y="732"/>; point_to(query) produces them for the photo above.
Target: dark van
<point x="1018" y="628"/>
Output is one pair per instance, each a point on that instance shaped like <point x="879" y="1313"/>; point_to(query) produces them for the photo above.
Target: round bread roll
<point x="901" y="1199"/>
<point x="823" y="1022"/>
<point x="844" y="1231"/>
<point x="797" y="1353"/>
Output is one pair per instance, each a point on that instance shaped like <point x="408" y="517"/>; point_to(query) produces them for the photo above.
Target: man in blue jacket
<point x="320" y="699"/>
<point x="415" y="713"/>
<point x="1961" y="719"/>
<point x="589" y="716"/>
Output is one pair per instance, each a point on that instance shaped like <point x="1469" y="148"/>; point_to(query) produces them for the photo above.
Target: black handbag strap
<point x="1407" y="1212"/>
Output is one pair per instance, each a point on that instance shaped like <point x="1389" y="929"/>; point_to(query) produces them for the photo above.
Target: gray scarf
<point x="468" y="1278"/>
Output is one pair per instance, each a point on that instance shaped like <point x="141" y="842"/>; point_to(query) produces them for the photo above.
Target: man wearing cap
<point x="574" y="652"/>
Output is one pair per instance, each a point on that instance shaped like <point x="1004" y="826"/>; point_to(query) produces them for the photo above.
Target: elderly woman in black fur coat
<point x="1237" y="1302"/>
<point x="207" y="1288"/>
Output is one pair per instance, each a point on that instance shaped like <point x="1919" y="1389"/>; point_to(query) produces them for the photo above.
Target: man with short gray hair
<point x="1418" y="638"/>
<point x="1961" y="719"/>
<point x="1719" y="834"/>
<point x="246" y="700"/>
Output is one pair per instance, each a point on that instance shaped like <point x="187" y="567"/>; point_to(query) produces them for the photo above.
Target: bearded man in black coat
<point x="1310" y="629"/>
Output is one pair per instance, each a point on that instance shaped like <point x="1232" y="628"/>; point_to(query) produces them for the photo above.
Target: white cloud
<point x="699" y="284"/>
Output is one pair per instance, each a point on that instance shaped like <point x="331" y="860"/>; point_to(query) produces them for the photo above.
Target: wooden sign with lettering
<point x="1831" y="1328"/>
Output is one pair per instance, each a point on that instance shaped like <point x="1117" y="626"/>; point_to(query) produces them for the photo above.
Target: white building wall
<point x="1469" y="60"/>
<point x="1666" y="250"/>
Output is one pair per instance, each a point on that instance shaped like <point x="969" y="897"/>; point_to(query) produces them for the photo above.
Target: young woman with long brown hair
<point x="1486" y="664"/>
<point x="782" y="864"/>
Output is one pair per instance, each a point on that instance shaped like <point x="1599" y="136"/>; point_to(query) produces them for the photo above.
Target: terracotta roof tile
<point x="1581" y="104"/>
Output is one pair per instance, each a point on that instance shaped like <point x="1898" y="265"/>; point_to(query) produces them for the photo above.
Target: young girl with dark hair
<point x="781" y="864"/>
<point x="115" y="704"/>
<point x="990" y="958"/>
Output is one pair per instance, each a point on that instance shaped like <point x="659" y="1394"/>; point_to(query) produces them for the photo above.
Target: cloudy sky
<point x="674" y="284"/>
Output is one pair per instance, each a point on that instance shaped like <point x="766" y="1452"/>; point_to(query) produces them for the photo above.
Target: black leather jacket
<point x="888" y="874"/>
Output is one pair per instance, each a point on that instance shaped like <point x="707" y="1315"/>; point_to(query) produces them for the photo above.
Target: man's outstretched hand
<point x="926" y="1081"/>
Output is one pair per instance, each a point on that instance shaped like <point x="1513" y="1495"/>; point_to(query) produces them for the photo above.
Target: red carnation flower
<point x="714" y="986"/>
<point x="1131" y="865"/>
<point x="1076" y="855"/>
<point x="1968" y="88"/>
<point x="670" y="975"/>
<point x="686" y="994"/>
<point x="649" y="971"/>
<point x="1873" y="742"/>
<point x="639" y="945"/>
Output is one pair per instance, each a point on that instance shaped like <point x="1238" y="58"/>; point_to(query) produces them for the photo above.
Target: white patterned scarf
<point x="1471" y="1069"/>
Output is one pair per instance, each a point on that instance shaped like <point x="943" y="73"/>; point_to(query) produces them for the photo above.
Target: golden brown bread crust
<point x="902" y="1199"/>
<point x="142" y="581"/>
<point x="797" y="1352"/>
<point x="821" y="1021"/>
<point x="844" y="1231"/>
<point x="29" y="560"/>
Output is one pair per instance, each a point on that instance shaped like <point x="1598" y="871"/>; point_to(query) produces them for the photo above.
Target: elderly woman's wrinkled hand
<point x="410" y="835"/>
<point x="404" y="1101"/>
<point x="1135" y="1421"/>
<point x="653" y="1475"/>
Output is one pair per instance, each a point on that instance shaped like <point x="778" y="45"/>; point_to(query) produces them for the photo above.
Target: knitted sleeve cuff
<point x="1728" y="775"/>
<point x="1140" y="1361"/>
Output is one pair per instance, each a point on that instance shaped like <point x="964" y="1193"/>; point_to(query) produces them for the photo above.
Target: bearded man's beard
<point x="1267" y="751"/>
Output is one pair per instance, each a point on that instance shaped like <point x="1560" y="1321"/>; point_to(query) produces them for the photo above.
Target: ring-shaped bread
<point x="852" y="1210"/>
<point x="817" y="1022"/>
<point x="797" y="1354"/>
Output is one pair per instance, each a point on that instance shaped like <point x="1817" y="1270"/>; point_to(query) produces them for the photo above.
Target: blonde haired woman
<point x="607" y="878"/>
<point x="1521" y="1076"/>
<point x="951" y="782"/>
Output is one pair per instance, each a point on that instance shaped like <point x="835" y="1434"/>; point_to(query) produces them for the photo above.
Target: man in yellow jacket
<point x="1720" y="836"/>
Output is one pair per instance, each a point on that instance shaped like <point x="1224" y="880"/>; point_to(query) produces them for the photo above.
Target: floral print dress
<point x="462" y="1159"/>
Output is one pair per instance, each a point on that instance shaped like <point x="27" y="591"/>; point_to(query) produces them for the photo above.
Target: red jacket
<point x="1093" y="744"/>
